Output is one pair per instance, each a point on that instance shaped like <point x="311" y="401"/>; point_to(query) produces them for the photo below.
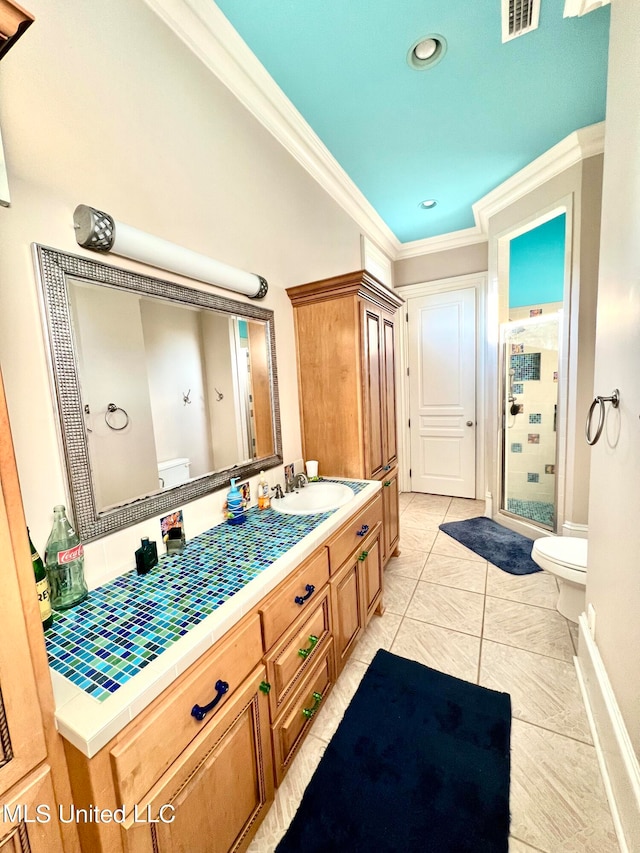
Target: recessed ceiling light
<point x="426" y="51"/>
<point x="428" y="204"/>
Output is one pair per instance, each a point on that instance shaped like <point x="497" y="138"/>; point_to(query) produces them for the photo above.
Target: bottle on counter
<point x="146" y="556"/>
<point x="264" y="499"/>
<point x="64" y="560"/>
<point x="42" y="586"/>
<point x="235" y="504"/>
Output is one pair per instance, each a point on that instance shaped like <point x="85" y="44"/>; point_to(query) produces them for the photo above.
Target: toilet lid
<point x="564" y="550"/>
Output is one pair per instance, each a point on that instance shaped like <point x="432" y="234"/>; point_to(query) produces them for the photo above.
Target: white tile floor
<point x="451" y="610"/>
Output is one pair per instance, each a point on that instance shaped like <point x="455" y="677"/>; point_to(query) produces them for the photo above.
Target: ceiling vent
<point x="519" y="17"/>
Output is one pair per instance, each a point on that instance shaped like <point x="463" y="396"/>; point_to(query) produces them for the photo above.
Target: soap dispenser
<point x="235" y="504"/>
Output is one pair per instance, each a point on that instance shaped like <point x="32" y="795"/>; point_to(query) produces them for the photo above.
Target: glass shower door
<point x="530" y="350"/>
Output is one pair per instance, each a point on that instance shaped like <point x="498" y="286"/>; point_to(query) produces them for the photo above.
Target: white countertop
<point x="89" y="724"/>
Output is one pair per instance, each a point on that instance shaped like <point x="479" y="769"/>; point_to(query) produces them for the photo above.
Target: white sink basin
<point x="314" y="497"/>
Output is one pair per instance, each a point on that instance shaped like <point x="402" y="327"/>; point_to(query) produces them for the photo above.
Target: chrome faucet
<point x="294" y="483"/>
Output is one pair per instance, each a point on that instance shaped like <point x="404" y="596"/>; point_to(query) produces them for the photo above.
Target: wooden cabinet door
<point x="215" y="794"/>
<point x="390" y="515"/>
<point x="372" y="378"/>
<point x="371" y="578"/>
<point x="390" y="438"/>
<point x="347" y="615"/>
<point x="22" y="740"/>
<point x="29" y="822"/>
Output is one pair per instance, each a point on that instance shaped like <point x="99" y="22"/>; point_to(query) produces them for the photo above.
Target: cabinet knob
<point x="200" y="712"/>
<point x="309" y="589"/>
<point x="363" y="556"/>
<point x="387" y="483"/>
<point x="469" y="423"/>
<point x="364" y="529"/>
<point x="265" y="687"/>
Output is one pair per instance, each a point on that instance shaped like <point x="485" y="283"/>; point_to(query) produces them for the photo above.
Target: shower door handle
<point x="469" y="423"/>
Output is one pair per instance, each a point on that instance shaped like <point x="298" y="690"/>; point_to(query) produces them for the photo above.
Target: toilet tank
<point x="173" y="472"/>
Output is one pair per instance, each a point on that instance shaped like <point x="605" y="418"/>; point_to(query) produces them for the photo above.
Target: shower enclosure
<point x="529" y="371"/>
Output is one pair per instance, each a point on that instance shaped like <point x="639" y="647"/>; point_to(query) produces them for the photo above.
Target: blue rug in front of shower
<point x="420" y="762"/>
<point x="506" y="549"/>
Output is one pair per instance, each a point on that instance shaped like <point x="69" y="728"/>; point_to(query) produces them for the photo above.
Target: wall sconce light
<point x="98" y="231"/>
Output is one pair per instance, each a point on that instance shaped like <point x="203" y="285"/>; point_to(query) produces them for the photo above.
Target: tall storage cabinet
<point x="346" y="371"/>
<point x="33" y="775"/>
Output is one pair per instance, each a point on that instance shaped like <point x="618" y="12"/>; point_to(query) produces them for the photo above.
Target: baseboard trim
<point x="618" y="762"/>
<point x="579" y="531"/>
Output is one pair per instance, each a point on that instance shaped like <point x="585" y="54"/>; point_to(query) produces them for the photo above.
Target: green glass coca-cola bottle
<point x="64" y="559"/>
<point x="42" y="587"/>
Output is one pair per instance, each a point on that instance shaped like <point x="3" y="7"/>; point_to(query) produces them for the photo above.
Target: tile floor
<point x="451" y="610"/>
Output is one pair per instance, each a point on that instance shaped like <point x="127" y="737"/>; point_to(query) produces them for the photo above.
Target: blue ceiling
<point x="452" y="132"/>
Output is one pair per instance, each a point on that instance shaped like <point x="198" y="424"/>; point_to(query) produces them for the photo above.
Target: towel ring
<point x="614" y="399"/>
<point x="111" y="408"/>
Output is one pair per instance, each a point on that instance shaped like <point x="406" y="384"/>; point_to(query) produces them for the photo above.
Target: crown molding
<point x="452" y="240"/>
<point x="573" y="8"/>
<point x="204" y="29"/>
<point x="577" y="146"/>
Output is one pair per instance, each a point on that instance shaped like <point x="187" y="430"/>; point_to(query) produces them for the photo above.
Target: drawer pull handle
<point x="309" y="712"/>
<point x="309" y="589"/>
<point x="387" y="483"/>
<point x="363" y="556"/>
<point x="201" y="712"/>
<point x="265" y="687"/>
<point x="304" y="653"/>
<point x="364" y="529"/>
<point x="387" y="468"/>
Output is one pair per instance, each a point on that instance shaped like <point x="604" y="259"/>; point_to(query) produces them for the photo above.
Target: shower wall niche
<point x="530" y="359"/>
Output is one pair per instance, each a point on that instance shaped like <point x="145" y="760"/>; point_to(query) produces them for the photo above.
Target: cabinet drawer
<point x="280" y="610"/>
<point x="161" y="733"/>
<point x="354" y="532"/>
<point x="285" y="664"/>
<point x="290" y="730"/>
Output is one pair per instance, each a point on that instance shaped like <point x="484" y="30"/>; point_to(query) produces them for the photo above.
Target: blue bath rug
<point x="419" y="764"/>
<point x="510" y="551"/>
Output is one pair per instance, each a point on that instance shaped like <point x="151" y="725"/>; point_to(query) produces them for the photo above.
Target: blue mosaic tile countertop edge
<point x="132" y="625"/>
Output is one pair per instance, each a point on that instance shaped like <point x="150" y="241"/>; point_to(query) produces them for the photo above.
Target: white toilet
<point x="566" y="558"/>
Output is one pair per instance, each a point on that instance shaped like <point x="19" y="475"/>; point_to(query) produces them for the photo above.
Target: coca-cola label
<point x="70" y="554"/>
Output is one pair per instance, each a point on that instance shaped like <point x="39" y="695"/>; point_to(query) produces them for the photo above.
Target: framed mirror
<point x="163" y="391"/>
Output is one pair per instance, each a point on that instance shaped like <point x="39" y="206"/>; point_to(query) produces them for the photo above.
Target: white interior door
<point x="442" y="392"/>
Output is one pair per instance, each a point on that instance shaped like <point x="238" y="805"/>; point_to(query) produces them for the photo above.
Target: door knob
<point x="469" y="423"/>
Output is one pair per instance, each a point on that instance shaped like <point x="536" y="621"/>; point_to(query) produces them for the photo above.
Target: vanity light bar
<point x="98" y="231"/>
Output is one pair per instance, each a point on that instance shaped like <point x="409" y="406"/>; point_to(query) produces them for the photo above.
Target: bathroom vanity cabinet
<point x="32" y="769"/>
<point x="204" y="785"/>
<point x="345" y="343"/>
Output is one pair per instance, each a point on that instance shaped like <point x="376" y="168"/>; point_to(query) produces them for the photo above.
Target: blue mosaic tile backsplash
<point x="526" y="366"/>
<point x="125" y="624"/>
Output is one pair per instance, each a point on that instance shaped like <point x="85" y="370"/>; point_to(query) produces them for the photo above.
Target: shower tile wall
<point x="531" y="440"/>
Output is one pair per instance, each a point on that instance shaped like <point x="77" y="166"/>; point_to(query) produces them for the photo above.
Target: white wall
<point x="434" y="266"/>
<point x="174" y="357"/>
<point x="613" y="575"/>
<point x="220" y="369"/>
<point x="105" y="106"/>
<point x="110" y="347"/>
